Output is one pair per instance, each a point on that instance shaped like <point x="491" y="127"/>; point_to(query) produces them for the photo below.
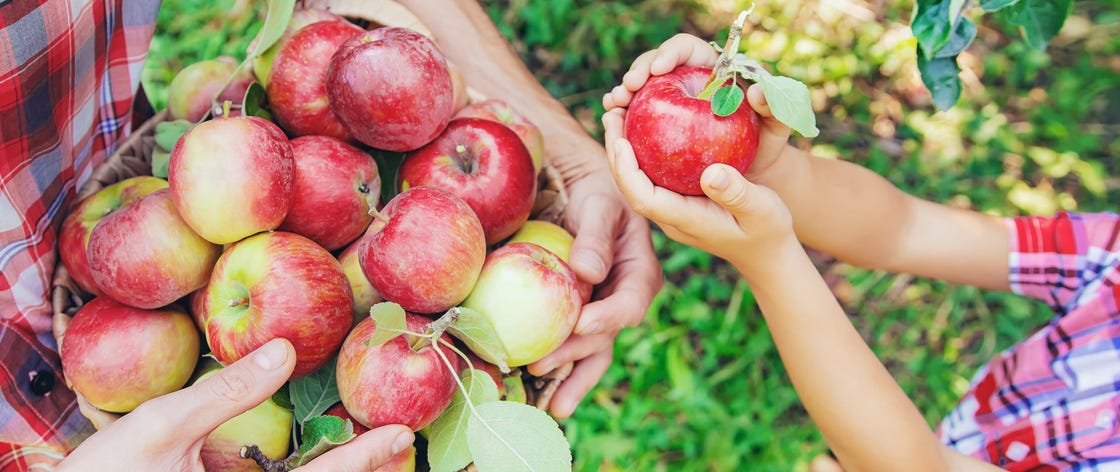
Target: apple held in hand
<point x="424" y="251"/>
<point x="486" y="165"/>
<point x="391" y="89"/>
<point x="676" y="136"/>
<point x="232" y="178"/>
<point x="530" y="296"/>
<point x="554" y="238"/>
<point x="494" y="109"/>
<point x="267" y="425"/>
<point x="391" y="383"/>
<point x="277" y="285"/>
<point x="336" y="186"/>
<point x="74" y="234"/>
<point x="297" y="87"/>
<point x="118" y="356"/>
<point x="145" y="255"/>
<point x="194" y="89"/>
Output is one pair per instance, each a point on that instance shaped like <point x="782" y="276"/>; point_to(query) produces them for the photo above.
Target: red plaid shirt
<point x="1050" y="402"/>
<point x="68" y="72"/>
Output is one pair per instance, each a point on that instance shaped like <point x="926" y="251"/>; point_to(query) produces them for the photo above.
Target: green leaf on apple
<point x="447" y="436"/>
<point x="253" y="103"/>
<point x="514" y="436"/>
<point x="169" y="132"/>
<point x="313" y="394"/>
<point x="283" y="398"/>
<point x="479" y="335"/>
<point x="321" y="434"/>
<point x="727" y="99"/>
<point x="789" y="101"/>
<point x="275" y="22"/>
<point x="389" y="319"/>
<point x="515" y="388"/>
<point x="160" y="161"/>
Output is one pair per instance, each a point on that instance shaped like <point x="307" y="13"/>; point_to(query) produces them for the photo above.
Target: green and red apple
<point x="195" y="89"/>
<point x="297" y="87"/>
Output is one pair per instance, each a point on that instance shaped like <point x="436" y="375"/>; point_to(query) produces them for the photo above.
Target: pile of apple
<point x="269" y="228"/>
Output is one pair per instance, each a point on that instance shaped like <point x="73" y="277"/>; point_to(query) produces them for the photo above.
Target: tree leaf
<point x="313" y="394"/>
<point x="321" y="434"/>
<point x="169" y="132"/>
<point x="275" y="22"/>
<point x="160" y="161"/>
<point x="283" y="398"/>
<point x="932" y="24"/>
<point x="941" y="77"/>
<point x="253" y="103"/>
<point x="963" y="34"/>
<point x="789" y="101"/>
<point x="447" y="436"/>
<point x="1039" y="20"/>
<point x="727" y="99"/>
<point x="993" y="5"/>
<point x="508" y="436"/>
<point x="479" y="335"/>
<point x="389" y="318"/>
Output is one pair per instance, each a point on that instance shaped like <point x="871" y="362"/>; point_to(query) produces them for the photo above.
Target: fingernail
<point x="403" y="441"/>
<point x="271" y="355"/>
<point x="589" y="261"/>
<point x="719" y="180"/>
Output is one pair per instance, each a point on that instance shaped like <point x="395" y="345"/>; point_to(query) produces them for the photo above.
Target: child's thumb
<point x="727" y="187"/>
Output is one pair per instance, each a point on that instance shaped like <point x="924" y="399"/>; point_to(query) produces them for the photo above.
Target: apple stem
<point x="225" y="108"/>
<point x="239" y="301"/>
<point x="229" y="80"/>
<point x="253" y="452"/>
<point x="721" y="72"/>
<point x="465" y="161"/>
<point x="377" y="214"/>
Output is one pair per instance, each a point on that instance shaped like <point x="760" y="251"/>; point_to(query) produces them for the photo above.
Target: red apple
<point x="494" y="109"/>
<point x="74" y="234"/>
<point x="404" y="461"/>
<point x="530" y="296"/>
<point x="424" y="251"/>
<point x="145" y="255"/>
<point x="485" y="164"/>
<point x="267" y="425"/>
<point x="262" y="64"/>
<point x="336" y="186"/>
<point x="277" y="285"/>
<point x="391" y="89"/>
<point x="192" y="92"/>
<point x="676" y="136"/>
<point x="365" y="296"/>
<point x="118" y="356"/>
<point x="297" y="88"/>
<point x="391" y="383"/>
<point x="232" y="178"/>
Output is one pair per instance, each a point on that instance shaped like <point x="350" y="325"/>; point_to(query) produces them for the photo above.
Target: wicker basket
<point x="134" y="157"/>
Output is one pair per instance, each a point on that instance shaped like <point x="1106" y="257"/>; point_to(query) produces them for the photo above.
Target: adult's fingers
<point x="635" y="279"/>
<point x="575" y="348"/>
<point x="195" y="411"/>
<point x="364" y="453"/>
<point x="594" y="221"/>
<point x="584" y="377"/>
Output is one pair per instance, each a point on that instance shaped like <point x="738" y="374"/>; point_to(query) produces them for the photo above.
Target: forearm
<point x="861" y="218"/>
<point x="490" y="66"/>
<point x="864" y="416"/>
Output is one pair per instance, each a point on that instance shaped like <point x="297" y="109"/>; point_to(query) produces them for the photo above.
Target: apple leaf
<point x="515" y="388"/>
<point x="932" y="24"/>
<point x="1039" y="20"/>
<point x="160" y="161"/>
<point x="313" y="394"/>
<point x="447" y="436"/>
<point x="253" y="103"/>
<point x="515" y="436"/>
<point x="941" y="76"/>
<point x="727" y="99"/>
<point x="275" y="22"/>
<point x="321" y="434"/>
<point x="283" y="398"/>
<point x="389" y="318"/>
<point x="789" y="101"/>
<point x="169" y="132"/>
<point x="993" y="5"/>
<point x="478" y="334"/>
<point x="963" y="34"/>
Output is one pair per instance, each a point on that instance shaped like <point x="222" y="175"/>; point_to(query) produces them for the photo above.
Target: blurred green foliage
<point x="699" y="385"/>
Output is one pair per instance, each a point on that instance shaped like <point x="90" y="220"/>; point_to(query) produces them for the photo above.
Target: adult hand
<point x="612" y="250"/>
<point x="167" y="432"/>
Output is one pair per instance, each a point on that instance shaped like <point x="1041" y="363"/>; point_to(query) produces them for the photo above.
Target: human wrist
<point x="766" y="262"/>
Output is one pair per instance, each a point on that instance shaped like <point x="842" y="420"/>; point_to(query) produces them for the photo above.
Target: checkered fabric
<point x="1050" y="402"/>
<point x="68" y="72"/>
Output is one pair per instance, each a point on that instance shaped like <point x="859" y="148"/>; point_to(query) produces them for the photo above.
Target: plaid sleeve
<point x="1054" y="259"/>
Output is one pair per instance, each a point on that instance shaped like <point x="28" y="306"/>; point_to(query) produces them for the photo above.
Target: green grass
<point x="699" y="385"/>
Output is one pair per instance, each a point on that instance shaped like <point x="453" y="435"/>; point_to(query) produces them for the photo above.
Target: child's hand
<point x="685" y="49"/>
<point x="682" y="49"/>
<point x="738" y="221"/>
